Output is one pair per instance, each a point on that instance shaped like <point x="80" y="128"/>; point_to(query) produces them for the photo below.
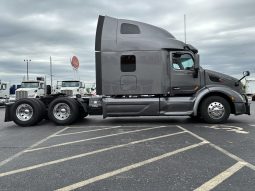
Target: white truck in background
<point x="4" y="92"/>
<point x="90" y="89"/>
<point x="32" y="89"/>
<point x="72" y="88"/>
<point x="249" y="86"/>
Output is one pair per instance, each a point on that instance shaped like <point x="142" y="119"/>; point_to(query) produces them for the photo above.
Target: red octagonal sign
<point x="75" y="62"/>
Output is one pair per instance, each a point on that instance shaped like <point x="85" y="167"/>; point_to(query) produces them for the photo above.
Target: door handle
<point x="176" y="88"/>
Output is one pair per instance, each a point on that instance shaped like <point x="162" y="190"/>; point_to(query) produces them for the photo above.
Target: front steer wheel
<point x="63" y="111"/>
<point x="27" y="112"/>
<point x="215" y="109"/>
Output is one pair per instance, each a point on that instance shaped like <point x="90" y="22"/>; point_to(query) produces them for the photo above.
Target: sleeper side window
<point x="127" y="28"/>
<point x="127" y="63"/>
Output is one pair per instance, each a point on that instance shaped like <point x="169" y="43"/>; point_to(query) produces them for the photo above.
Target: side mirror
<point x="197" y="62"/>
<point x="196" y="66"/>
<point x="246" y="73"/>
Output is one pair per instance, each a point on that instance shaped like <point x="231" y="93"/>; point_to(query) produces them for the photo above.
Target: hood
<point x="27" y="89"/>
<point x="69" y="88"/>
<point x="213" y="77"/>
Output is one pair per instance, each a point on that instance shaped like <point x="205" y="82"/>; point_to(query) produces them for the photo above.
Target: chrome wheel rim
<point x="24" y="112"/>
<point x="61" y="111"/>
<point x="216" y="110"/>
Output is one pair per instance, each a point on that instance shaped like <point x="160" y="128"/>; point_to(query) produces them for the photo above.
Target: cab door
<point x="183" y="80"/>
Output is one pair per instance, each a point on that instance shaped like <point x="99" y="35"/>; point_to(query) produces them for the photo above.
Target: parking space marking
<point x="30" y="147"/>
<point x="231" y="128"/>
<point x="87" y="131"/>
<point x="83" y="127"/>
<point x="215" y="181"/>
<point x="252" y="125"/>
<point x="128" y="168"/>
<point x="251" y="166"/>
<point x="86" y="154"/>
<point x="93" y="138"/>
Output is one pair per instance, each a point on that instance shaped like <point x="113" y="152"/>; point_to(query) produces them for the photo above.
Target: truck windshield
<point x="29" y="84"/>
<point x="70" y="84"/>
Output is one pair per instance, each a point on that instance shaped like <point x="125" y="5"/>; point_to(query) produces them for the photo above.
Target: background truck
<point x="141" y="70"/>
<point x="249" y="86"/>
<point x="33" y="89"/>
<point x="4" y="92"/>
<point x="90" y="89"/>
<point x="72" y="88"/>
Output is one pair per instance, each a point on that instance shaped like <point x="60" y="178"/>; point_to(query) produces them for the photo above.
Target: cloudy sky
<point x="222" y="30"/>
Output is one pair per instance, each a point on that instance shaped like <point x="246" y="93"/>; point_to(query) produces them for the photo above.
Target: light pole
<point x="27" y="66"/>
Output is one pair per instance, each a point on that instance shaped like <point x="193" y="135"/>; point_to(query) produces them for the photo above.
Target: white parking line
<point x="30" y="147"/>
<point x="128" y="168"/>
<point x="215" y="181"/>
<point x="87" y="131"/>
<point x="93" y="138"/>
<point x="83" y="127"/>
<point x="85" y="154"/>
<point x="251" y="166"/>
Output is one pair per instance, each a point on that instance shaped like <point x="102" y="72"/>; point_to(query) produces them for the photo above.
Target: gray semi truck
<point x="141" y="70"/>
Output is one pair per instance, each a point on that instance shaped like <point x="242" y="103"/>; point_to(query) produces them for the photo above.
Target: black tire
<point x="83" y="115"/>
<point x="215" y="102"/>
<point x="35" y="116"/>
<point x="73" y="115"/>
<point x="195" y="118"/>
<point x="43" y="113"/>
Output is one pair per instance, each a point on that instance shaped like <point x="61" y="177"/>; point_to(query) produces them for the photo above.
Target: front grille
<point x="67" y="92"/>
<point x="21" y="94"/>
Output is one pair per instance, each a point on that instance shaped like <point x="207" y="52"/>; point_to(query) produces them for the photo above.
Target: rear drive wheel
<point x="215" y="109"/>
<point x="63" y="111"/>
<point x="26" y="112"/>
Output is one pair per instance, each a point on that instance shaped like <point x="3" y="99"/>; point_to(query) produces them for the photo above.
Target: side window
<point x="129" y="29"/>
<point x="127" y="63"/>
<point x="182" y="62"/>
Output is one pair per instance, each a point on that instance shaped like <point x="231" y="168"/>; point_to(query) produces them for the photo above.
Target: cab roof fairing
<point x="110" y="39"/>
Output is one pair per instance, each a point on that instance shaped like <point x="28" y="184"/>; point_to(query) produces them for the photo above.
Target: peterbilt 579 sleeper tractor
<point x="141" y="70"/>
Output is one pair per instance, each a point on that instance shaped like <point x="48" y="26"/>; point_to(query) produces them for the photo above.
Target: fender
<point x="237" y="97"/>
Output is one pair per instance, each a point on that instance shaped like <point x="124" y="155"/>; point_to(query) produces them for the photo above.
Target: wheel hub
<point x="24" y="112"/>
<point x="61" y="111"/>
<point x="216" y="110"/>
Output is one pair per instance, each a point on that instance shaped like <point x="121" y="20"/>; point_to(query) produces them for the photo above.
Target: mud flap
<point x="8" y="115"/>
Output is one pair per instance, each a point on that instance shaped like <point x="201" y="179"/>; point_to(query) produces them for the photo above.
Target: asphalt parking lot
<point x="145" y="153"/>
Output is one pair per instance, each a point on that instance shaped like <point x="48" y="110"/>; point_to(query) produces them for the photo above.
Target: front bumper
<point x="243" y="107"/>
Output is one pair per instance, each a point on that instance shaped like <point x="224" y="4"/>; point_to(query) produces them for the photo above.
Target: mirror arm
<point x="237" y="83"/>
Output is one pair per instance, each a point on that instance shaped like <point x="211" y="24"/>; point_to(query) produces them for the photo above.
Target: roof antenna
<point x="185" y="28"/>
